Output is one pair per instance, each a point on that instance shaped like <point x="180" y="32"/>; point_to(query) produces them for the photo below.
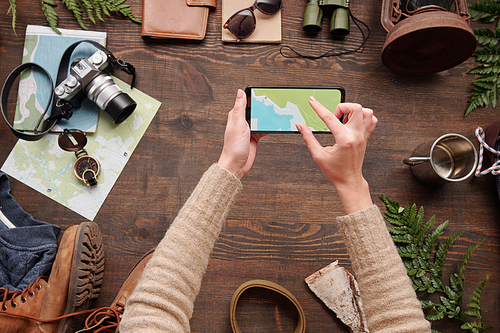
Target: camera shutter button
<point x="59" y="91"/>
<point x="96" y="59"/>
<point x="71" y="81"/>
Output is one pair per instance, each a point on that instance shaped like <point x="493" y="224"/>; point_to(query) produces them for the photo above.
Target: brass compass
<point x="86" y="167"/>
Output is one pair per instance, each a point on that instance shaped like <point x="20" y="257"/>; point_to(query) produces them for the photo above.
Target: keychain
<point x="86" y="167"/>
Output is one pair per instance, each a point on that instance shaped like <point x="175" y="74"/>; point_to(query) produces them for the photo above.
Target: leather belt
<point x="301" y="325"/>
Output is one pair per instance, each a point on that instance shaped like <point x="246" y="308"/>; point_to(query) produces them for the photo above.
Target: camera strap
<point x="60" y="108"/>
<point x="4" y="98"/>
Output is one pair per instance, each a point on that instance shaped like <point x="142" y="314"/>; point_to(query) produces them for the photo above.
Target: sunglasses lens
<point x="241" y="24"/>
<point x="270" y="7"/>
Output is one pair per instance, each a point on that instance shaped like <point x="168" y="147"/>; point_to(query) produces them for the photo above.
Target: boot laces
<point x="104" y="320"/>
<point x="12" y="296"/>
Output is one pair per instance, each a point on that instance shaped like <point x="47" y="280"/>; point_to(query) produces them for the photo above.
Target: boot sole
<point x="87" y="272"/>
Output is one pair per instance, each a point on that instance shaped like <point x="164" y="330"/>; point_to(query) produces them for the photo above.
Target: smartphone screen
<point x="277" y="109"/>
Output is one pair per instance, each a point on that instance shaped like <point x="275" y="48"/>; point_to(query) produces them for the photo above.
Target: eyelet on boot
<point x="4" y="308"/>
<point x="23" y="300"/>
<point x="39" y="287"/>
<point x="31" y="294"/>
<point x="13" y="305"/>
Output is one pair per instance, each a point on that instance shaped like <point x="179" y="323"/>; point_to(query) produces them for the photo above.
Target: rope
<point x="495" y="168"/>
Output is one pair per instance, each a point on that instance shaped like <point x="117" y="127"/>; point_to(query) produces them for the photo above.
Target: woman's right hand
<point x="342" y="163"/>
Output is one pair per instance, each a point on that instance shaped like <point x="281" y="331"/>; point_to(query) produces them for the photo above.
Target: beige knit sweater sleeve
<point x="389" y="301"/>
<point x="163" y="299"/>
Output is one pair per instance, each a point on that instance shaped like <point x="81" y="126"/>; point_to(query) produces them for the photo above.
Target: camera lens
<point x="110" y="98"/>
<point x="120" y="107"/>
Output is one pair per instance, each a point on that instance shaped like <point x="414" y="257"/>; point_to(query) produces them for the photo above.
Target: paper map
<point x="45" y="47"/>
<point x="45" y="167"/>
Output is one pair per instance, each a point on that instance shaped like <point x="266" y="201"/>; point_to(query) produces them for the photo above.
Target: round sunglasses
<point x="242" y="23"/>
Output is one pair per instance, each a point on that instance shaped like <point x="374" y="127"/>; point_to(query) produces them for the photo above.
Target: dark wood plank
<point x="281" y="227"/>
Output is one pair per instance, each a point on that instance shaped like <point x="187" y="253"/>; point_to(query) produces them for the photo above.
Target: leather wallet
<point x="184" y="19"/>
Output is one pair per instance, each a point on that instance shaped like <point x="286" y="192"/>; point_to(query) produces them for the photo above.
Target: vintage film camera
<point x="90" y="78"/>
<point x="339" y="22"/>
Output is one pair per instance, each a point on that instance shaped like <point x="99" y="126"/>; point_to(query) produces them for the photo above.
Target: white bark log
<point x="338" y="289"/>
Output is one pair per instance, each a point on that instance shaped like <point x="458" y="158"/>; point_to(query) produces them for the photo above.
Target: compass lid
<point x="72" y="140"/>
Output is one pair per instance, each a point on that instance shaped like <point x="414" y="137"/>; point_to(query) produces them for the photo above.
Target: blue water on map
<point x="267" y="119"/>
<point x="48" y="55"/>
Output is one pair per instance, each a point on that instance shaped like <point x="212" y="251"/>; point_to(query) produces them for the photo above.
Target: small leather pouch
<point x="184" y="19"/>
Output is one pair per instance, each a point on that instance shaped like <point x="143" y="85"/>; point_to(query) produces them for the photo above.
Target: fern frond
<point x="13" y="9"/>
<point x="441" y="254"/>
<point x="475" y="310"/>
<point x="486" y="37"/>
<point x="485" y="11"/>
<point x="416" y="248"/>
<point x="74" y="6"/>
<point x="50" y="14"/>
<point x="89" y="8"/>
<point x="475" y="302"/>
<point x="487" y="55"/>
<point x="465" y="261"/>
<point x="392" y="206"/>
<point x="485" y="69"/>
<point x="119" y="6"/>
<point x="97" y="9"/>
<point x="485" y="91"/>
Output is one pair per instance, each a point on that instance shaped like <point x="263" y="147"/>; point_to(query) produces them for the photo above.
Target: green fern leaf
<point x="485" y="69"/>
<point x="486" y="37"/>
<point x="465" y="261"/>
<point x="416" y="248"/>
<point x="475" y="302"/>
<point x="435" y="316"/>
<point x="13" y="9"/>
<point x="97" y="9"/>
<point x="423" y="231"/>
<point x="74" y="6"/>
<point x="487" y="55"/>
<point x="89" y="8"/>
<point x="391" y="206"/>
<point x="50" y="14"/>
<point x="402" y="239"/>
<point x="479" y="98"/>
<point x="485" y="11"/>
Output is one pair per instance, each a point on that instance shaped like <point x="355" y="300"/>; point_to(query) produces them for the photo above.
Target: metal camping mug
<point x="450" y="158"/>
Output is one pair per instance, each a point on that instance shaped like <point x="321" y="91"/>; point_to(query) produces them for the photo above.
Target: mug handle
<point x="416" y="160"/>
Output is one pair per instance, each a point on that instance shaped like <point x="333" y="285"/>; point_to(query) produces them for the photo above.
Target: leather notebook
<point x="184" y="19"/>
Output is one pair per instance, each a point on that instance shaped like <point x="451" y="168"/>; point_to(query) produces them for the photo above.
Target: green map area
<point x="279" y="109"/>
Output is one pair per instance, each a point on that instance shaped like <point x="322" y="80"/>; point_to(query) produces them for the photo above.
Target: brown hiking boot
<point x="75" y="279"/>
<point x="107" y="319"/>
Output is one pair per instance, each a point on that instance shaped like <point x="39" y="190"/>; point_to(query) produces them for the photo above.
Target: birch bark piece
<point x="338" y="289"/>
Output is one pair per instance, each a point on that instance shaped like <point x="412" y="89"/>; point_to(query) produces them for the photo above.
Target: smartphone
<point x="276" y="109"/>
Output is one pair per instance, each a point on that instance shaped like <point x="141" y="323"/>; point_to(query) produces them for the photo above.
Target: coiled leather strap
<point x="301" y="325"/>
<point x="4" y="99"/>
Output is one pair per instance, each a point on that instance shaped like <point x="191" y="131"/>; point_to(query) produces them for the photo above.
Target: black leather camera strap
<point x="4" y="98"/>
<point x="60" y="108"/>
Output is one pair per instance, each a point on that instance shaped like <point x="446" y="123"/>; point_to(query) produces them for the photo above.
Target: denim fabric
<point x="27" y="251"/>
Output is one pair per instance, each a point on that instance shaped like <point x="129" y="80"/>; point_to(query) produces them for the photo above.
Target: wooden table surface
<point x="281" y="227"/>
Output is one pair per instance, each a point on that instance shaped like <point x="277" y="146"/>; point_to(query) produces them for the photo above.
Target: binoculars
<point x="339" y="23"/>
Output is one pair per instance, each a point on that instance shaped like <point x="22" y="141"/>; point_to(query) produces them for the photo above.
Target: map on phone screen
<point x="279" y="109"/>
